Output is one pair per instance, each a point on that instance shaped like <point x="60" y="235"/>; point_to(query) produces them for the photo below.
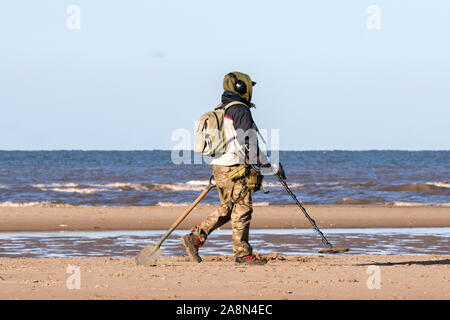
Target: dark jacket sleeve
<point x="241" y="116"/>
<point x="242" y="122"/>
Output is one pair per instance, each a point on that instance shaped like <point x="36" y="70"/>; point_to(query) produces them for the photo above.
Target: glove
<point x="277" y="169"/>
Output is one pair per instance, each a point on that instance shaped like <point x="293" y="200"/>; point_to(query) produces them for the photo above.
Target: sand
<point x="154" y="217"/>
<point x="291" y="277"/>
<point x="342" y="276"/>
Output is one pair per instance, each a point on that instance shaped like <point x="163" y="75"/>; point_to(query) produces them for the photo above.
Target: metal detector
<point x="281" y="176"/>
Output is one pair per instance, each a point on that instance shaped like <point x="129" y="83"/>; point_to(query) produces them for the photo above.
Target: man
<point x="235" y="198"/>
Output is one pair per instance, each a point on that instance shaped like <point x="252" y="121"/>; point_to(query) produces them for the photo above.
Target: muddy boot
<point x="192" y="243"/>
<point x="251" y="259"/>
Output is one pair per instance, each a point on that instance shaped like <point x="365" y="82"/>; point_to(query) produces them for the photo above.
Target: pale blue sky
<point x="137" y="70"/>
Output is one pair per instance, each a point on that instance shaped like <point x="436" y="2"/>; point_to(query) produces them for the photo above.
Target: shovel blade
<point x="148" y="255"/>
<point x="333" y="250"/>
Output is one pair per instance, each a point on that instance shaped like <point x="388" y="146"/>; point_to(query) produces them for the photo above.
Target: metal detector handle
<point x="311" y="220"/>
<point x="210" y="186"/>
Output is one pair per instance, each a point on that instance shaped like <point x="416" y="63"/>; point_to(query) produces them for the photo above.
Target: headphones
<point x="239" y="85"/>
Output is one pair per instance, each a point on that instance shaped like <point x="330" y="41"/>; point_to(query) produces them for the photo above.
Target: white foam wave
<point x="261" y="204"/>
<point x="178" y="187"/>
<point x="418" y="204"/>
<point x="172" y="204"/>
<point x="77" y="190"/>
<point x="439" y="184"/>
<point x="191" y="185"/>
<point x="278" y="185"/>
<point x="56" y="185"/>
<point x="331" y="183"/>
<point x="185" y="204"/>
<point x="123" y="186"/>
<point x="27" y="204"/>
<point x="203" y="183"/>
<point x="67" y="188"/>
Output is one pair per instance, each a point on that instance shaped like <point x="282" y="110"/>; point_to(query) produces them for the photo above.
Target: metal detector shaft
<point x="311" y="220"/>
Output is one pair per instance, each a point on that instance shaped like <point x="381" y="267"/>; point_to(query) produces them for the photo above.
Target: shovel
<point x="151" y="253"/>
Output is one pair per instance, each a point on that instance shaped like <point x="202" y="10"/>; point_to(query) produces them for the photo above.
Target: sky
<point x="330" y="74"/>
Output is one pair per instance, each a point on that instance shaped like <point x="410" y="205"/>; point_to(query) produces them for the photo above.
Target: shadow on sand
<point x="423" y="263"/>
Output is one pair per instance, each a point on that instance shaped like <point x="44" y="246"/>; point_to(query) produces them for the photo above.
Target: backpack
<point x="209" y="134"/>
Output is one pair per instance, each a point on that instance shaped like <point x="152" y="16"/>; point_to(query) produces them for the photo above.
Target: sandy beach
<point x="292" y="277"/>
<point x="118" y="117"/>
<point x="342" y="276"/>
<point x="157" y="217"/>
<point x="284" y="277"/>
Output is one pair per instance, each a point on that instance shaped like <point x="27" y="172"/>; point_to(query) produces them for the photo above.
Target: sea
<point x="141" y="178"/>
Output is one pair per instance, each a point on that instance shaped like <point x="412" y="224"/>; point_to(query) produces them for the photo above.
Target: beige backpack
<point x="209" y="135"/>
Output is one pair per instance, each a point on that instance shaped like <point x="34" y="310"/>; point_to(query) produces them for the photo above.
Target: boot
<point x="192" y="243"/>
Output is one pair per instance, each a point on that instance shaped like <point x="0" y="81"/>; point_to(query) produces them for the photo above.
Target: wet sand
<point x="154" y="217"/>
<point x="290" y="277"/>
<point x="128" y="243"/>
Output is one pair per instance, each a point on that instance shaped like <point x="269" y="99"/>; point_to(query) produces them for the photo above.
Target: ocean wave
<point x="198" y="182"/>
<point x="56" y="185"/>
<point x="172" y="204"/>
<point x="439" y="187"/>
<point x="439" y="184"/>
<point x="185" y="204"/>
<point x="194" y="185"/>
<point x="75" y="190"/>
<point x="358" y="201"/>
<point x="178" y="187"/>
<point x="191" y="185"/>
<point x="390" y="203"/>
<point x="278" y="185"/>
<point x="429" y="186"/>
<point x="123" y="186"/>
<point x="261" y="204"/>
<point x="361" y="185"/>
<point x="329" y="183"/>
<point x="417" y="204"/>
<point x="31" y="204"/>
<point x="67" y="188"/>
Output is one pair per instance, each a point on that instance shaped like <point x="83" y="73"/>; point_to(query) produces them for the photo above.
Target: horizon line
<point x="144" y="150"/>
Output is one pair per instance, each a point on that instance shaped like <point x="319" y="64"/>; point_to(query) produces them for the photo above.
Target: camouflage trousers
<point x="239" y="213"/>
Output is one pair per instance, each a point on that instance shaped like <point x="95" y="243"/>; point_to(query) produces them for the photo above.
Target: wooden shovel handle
<point x="192" y="206"/>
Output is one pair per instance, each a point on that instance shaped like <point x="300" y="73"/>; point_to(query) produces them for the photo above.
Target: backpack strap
<point x="226" y="106"/>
